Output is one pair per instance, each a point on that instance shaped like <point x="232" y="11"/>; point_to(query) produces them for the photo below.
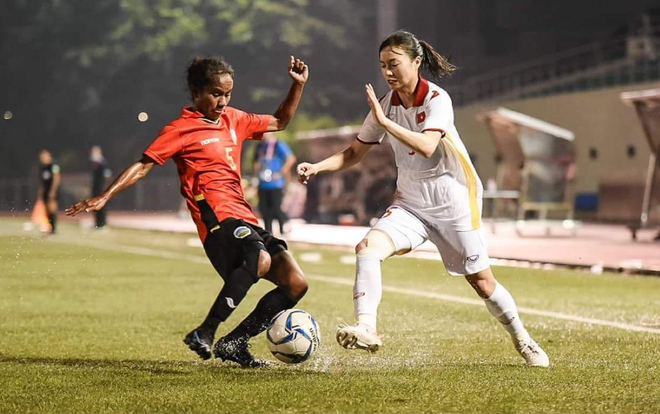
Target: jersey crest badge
<point x="242" y="232"/>
<point x="421" y="117"/>
<point x="233" y="135"/>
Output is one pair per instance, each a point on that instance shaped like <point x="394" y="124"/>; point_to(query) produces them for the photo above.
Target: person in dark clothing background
<point x="273" y="160"/>
<point x="100" y="175"/>
<point x="49" y="183"/>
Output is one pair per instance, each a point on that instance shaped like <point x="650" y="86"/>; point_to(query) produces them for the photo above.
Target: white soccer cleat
<point x="534" y="355"/>
<point x="358" y="337"/>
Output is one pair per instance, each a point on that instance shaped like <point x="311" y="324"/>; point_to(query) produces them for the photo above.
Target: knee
<point x="263" y="264"/>
<point x="297" y="286"/>
<point x="376" y="244"/>
<point x="362" y="245"/>
<point x="484" y="285"/>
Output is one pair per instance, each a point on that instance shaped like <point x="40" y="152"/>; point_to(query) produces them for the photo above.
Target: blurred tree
<point x="77" y="72"/>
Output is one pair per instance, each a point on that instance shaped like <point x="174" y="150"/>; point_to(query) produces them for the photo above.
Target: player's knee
<point x="297" y="286"/>
<point x="263" y="264"/>
<point x="361" y="246"/>
<point x="484" y="285"/>
<point x="376" y="244"/>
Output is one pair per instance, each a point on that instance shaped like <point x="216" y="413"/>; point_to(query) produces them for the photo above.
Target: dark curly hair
<point x="201" y="70"/>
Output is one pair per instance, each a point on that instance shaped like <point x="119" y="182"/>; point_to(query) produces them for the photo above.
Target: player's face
<point x="213" y="99"/>
<point x="398" y="69"/>
<point x="45" y="157"/>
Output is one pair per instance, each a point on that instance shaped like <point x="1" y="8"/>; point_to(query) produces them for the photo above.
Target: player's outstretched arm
<point x="299" y="73"/>
<point x="130" y="176"/>
<point x="425" y="143"/>
<point x="340" y="161"/>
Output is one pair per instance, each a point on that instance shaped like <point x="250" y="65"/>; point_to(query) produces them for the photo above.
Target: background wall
<point x="599" y="120"/>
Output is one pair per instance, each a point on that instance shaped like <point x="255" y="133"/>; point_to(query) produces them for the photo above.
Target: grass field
<point x="94" y="323"/>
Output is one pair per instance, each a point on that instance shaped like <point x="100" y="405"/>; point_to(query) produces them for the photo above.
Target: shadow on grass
<point x="153" y="367"/>
<point x="157" y="367"/>
<point x="194" y="367"/>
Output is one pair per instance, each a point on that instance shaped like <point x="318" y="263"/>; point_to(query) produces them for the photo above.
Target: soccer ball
<point x="293" y="336"/>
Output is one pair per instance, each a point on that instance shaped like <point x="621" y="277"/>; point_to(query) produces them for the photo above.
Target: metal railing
<point x="618" y="61"/>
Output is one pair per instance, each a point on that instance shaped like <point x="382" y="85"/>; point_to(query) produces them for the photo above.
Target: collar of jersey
<point x="422" y="90"/>
<point x="189" y="112"/>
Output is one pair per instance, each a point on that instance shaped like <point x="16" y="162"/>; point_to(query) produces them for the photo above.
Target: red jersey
<point x="207" y="155"/>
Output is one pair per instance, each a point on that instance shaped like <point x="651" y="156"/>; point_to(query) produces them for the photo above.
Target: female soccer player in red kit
<point x="205" y="144"/>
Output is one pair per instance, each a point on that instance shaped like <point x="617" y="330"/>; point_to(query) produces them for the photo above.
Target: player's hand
<point x="298" y="71"/>
<point x="89" y="205"/>
<point x="306" y="171"/>
<point x="376" y="109"/>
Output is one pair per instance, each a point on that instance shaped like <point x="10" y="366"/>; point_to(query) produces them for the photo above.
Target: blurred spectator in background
<point x="49" y="183"/>
<point x="273" y="160"/>
<point x="100" y="177"/>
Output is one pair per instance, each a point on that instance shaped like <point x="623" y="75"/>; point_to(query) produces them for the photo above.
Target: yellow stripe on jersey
<point x="199" y="197"/>
<point x="471" y="182"/>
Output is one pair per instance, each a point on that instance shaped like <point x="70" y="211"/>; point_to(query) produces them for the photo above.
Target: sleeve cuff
<point x="442" y="131"/>
<point x="369" y="143"/>
<point x="154" y="157"/>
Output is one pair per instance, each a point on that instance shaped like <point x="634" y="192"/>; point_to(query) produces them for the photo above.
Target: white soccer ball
<point x="293" y="336"/>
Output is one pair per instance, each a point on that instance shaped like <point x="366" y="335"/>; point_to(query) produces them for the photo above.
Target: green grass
<point x="85" y="327"/>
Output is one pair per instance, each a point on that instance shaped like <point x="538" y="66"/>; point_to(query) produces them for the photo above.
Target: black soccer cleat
<point x="200" y="342"/>
<point x="237" y="351"/>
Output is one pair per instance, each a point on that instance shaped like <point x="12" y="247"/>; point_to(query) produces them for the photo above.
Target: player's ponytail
<point x="433" y="62"/>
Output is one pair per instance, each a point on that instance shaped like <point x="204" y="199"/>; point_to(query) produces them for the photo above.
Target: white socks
<point x="367" y="290"/>
<point x="367" y="293"/>
<point x="502" y="306"/>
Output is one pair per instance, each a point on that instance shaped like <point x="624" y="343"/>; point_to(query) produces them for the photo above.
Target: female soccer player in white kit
<point x="438" y="195"/>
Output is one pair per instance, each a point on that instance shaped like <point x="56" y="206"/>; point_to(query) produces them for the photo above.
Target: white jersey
<point x="444" y="187"/>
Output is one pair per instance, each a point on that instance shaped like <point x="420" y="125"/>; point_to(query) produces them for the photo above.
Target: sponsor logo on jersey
<point x="230" y="302"/>
<point x="233" y="136"/>
<point x="421" y="117"/>
<point x="242" y="232"/>
<point x="209" y="141"/>
<point x="358" y="295"/>
<point x="473" y="258"/>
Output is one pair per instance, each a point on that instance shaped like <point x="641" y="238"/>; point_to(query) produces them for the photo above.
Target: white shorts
<point x="462" y="252"/>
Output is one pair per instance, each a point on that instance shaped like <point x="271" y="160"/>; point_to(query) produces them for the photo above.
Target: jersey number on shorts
<point x="230" y="158"/>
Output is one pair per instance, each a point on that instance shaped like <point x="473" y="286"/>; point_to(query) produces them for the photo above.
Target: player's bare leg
<point x="501" y="305"/>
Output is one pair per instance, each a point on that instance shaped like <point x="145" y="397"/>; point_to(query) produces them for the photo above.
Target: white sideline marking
<point x="349" y="282"/>
<point x="478" y="302"/>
